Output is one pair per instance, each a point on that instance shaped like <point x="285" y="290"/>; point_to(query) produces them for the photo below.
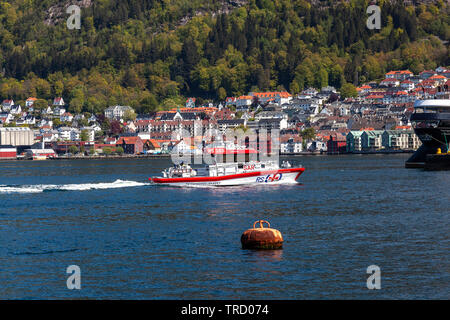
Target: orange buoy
<point x="262" y="238"/>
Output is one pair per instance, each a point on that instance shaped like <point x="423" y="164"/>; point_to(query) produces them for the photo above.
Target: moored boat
<point x="431" y="122"/>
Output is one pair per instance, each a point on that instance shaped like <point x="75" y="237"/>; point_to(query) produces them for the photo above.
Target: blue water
<point x="133" y="240"/>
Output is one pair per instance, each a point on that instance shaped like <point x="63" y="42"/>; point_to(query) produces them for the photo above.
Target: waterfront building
<point x="8" y="152"/>
<point x="16" y="136"/>
<point x="400" y="140"/>
<point x="131" y="145"/>
<point x="337" y="144"/>
<point x="151" y="146"/>
<point x="291" y="144"/>
<point x="371" y="140"/>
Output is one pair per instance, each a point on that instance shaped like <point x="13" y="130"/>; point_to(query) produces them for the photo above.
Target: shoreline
<point x="165" y="156"/>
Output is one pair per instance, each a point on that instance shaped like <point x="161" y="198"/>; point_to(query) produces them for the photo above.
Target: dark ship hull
<point x="433" y="130"/>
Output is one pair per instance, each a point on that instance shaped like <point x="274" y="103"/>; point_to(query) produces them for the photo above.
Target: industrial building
<point x="16" y="136"/>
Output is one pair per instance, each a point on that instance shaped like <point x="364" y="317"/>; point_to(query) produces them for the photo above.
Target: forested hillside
<point x="152" y="54"/>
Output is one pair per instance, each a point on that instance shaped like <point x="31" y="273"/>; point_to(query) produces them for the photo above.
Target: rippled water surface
<point x="133" y="240"/>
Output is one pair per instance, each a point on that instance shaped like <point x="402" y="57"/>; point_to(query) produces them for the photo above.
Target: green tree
<point x="107" y="151"/>
<point x="56" y="122"/>
<point x="348" y="90"/>
<point x="119" y="151"/>
<point x="129" y="115"/>
<point x="73" y="149"/>
<point x="84" y="136"/>
<point x="308" y="134"/>
<point x="39" y="105"/>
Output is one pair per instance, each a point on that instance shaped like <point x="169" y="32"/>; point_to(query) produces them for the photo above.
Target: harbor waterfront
<point x="134" y="240"/>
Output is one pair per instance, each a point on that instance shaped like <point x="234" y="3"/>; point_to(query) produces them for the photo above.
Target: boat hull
<point x="268" y="177"/>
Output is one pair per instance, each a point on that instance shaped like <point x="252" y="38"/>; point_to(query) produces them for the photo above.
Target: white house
<point x="29" y="119"/>
<point x="243" y="101"/>
<point x="92" y="118"/>
<point x="181" y="147"/>
<point x="291" y="145"/>
<point x="47" y="111"/>
<point x="30" y="101"/>
<point x="66" y="133"/>
<point x="58" y="111"/>
<point x="50" y="136"/>
<point x="116" y="112"/>
<point x="45" y="122"/>
<point x="66" y="117"/>
<point x="310" y="92"/>
<point x="407" y="85"/>
<point x="7" y="104"/>
<point x="90" y="132"/>
<point x="58" y="101"/>
<point x="6" y="117"/>
<point x="16" y="109"/>
<point x="390" y="82"/>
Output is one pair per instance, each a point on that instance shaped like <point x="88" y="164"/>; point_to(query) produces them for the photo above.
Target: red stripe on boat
<point x="227" y="177"/>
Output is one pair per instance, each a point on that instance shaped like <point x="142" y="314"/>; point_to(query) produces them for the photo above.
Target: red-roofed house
<point x="390" y="82"/>
<point x="151" y="146"/>
<point x="7" y="104"/>
<point x="426" y="74"/>
<point x="275" y="97"/>
<point x="58" y="101"/>
<point x="66" y="117"/>
<point x="131" y="145"/>
<point x="190" y="103"/>
<point x="230" y="101"/>
<point x="29" y="102"/>
<point x="438" y="79"/>
<point x="407" y="85"/>
<point x="399" y="75"/>
<point x="243" y="101"/>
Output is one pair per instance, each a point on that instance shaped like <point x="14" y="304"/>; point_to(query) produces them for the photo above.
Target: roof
<point x="152" y="142"/>
<point x="400" y="72"/>
<point x="436" y="77"/>
<point x="128" y="140"/>
<point x="389" y="80"/>
<point x="271" y="94"/>
<point x="245" y="98"/>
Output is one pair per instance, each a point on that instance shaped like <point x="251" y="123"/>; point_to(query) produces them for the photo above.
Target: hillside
<point x="152" y="54"/>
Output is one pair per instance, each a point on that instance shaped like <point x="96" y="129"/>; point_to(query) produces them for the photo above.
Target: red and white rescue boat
<point x="230" y="174"/>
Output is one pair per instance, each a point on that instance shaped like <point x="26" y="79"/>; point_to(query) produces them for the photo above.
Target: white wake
<point x="69" y="187"/>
